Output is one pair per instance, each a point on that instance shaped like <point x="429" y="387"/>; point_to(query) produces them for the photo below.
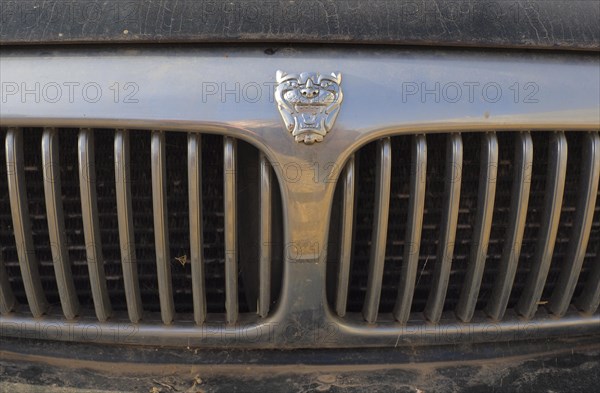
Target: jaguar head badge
<point x="308" y="103"/>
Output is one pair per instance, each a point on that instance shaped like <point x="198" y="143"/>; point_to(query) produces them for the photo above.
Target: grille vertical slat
<point x="91" y="225"/>
<point x="414" y="225"/>
<point x="589" y="300"/>
<point x="22" y="226"/>
<point x="7" y="297"/>
<point x="231" y="252"/>
<point x="502" y="288"/>
<point x="555" y="185"/>
<point x="588" y="192"/>
<point x="196" y="241"/>
<point x="343" y="277"/>
<point x="437" y="294"/>
<point x="125" y="223"/>
<point x="265" y="203"/>
<point x="56" y="223"/>
<point x="161" y="232"/>
<point x="383" y="180"/>
<point x="483" y="226"/>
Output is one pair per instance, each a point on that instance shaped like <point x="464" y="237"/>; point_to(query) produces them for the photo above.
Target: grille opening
<point x="466" y="220"/>
<point x="8" y="248"/>
<point x="500" y="221"/>
<point x="34" y="182"/>
<point x="534" y="214"/>
<point x="334" y="239"/>
<point x="143" y="221"/>
<point x="567" y="215"/>
<point x="592" y="251"/>
<point x="432" y="216"/>
<point x="107" y="212"/>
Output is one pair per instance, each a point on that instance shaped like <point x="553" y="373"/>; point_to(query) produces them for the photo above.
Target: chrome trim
<point x="265" y="255"/>
<point x="56" y="223"/>
<point x="383" y="179"/>
<point x="496" y="306"/>
<point x="161" y="232"/>
<point x="569" y="274"/>
<point x="555" y="187"/>
<point x="348" y="200"/>
<point x="443" y="263"/>
<point x="91" y="224"/>
<point x="22" y="226"/>
<point x="196" y="236"/>
<point x="231" y="251"/>
<point x="125" y="222"/>
<point x="412" y="242"/>
<point x="483" y="226"/>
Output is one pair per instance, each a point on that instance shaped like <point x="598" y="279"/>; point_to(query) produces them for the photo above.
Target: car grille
<point x="147" y="265"/>
<point x="464" y="224"/>
<point x="201" y="222"/>
<point x="517" y="214"/>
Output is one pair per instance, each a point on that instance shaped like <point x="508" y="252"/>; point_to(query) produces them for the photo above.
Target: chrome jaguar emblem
<point x="308" y="103"/>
